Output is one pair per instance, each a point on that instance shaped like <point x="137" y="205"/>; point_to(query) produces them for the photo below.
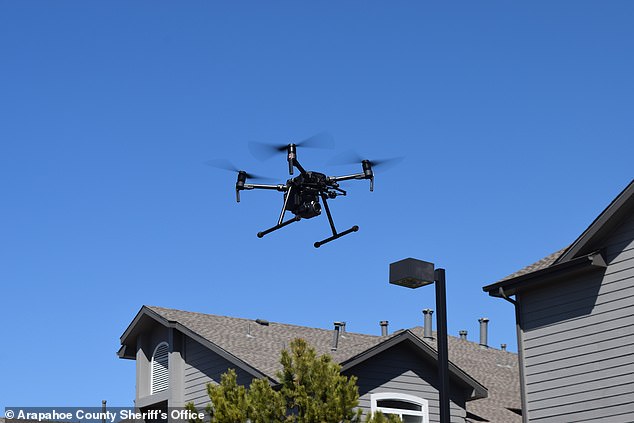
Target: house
<point x="178" y="353"/>
<point x="575" y="323"/>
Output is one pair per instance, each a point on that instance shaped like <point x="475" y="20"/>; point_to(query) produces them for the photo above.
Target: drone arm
<point x="299" y="167"/>
<point x="241" y="185"/>
<point x="347" y="177"/>
<point x="367" y="174"/>
<point x="264" y="186"/>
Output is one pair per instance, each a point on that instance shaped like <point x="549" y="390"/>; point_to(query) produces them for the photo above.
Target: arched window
<point x="409" y="408"/>
<point x="159" y="368"/>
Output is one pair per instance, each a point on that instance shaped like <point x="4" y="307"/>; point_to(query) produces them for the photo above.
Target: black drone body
<point x="305" y="193"/>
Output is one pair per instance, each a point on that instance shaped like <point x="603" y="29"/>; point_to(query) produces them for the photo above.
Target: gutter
<point x="509" y="287"/>
<point x="520" y="349"/>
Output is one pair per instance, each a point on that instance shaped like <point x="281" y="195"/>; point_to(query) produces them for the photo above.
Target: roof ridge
<point x="245" y="319"/>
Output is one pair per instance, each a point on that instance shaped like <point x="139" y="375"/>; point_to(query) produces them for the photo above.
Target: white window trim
<point x="424" y="405"/>
<point x="152" y="392"/>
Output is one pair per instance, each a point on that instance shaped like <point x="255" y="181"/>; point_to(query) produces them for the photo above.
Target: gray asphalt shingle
<point x="259" y="346"/>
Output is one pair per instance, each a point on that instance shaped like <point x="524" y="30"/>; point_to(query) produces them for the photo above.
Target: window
<point x="409" y="408"/>
<point x="159" y="369"/>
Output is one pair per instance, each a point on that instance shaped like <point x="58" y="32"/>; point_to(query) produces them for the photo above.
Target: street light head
<point x="411" y="273"/>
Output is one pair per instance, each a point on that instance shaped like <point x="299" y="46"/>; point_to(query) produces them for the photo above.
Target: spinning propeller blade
<point x="264" y="151"/>
<point x="352" y="157"/>
<point x="225" y="164"/>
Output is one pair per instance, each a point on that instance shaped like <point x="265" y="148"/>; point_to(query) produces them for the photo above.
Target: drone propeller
<point x="225" y="164"/>
<point x="352" y="157"/>
<point x="264" y="151"/>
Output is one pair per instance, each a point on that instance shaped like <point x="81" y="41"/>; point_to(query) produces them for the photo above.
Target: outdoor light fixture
<point x="413" y="273"/>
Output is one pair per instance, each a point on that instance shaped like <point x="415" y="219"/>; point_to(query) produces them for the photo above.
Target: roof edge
<point x="147" y="311"/>
<point x="479" y="390"/>
<point x="508" y="287"/>
<point x="599" y="223"/>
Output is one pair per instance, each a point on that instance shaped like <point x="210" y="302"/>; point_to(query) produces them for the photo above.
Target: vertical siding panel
<point x="401" y="370"/>
<point x="578" y="337"/>
<point x="203" y="366"/>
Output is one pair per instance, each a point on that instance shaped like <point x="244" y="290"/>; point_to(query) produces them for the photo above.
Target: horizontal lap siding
<point x="203" y="366"/>
<point x="400" y="370"/>
<point x="579" y="342"/>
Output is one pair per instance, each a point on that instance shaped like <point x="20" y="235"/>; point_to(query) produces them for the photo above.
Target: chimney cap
<point x="383" y="324"/>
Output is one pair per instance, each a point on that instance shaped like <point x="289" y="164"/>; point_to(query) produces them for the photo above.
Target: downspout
<point x="520" y="351"/>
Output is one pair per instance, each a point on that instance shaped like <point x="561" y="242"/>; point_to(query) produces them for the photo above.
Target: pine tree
<point x="312" y="390"/>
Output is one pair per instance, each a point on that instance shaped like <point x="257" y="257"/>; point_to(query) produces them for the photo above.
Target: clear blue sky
<point x="515" y="121"/>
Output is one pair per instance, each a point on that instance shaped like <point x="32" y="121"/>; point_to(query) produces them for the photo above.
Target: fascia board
<point x="616" y="208"/>
<point x="126" y="334"/>
<point x="145" y="311"/>
<point x="555" y="272"/>
<point x="479" y="391"/>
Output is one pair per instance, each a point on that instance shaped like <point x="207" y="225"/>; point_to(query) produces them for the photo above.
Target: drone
<point x="303" y="192"/>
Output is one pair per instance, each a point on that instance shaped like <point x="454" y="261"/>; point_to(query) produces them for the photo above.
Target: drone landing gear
<point x="297" y="218"/>
<point x="278" y="226"/>
<point x="335" y="234"/>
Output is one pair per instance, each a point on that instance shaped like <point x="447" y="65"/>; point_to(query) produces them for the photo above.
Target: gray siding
<point x="402" y="370"/>
<point x="579" y="340"/>
<point x="146" y="344"/>
<point x="203" y="366"/>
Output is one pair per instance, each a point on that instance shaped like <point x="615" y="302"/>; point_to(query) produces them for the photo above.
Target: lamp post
<point x="413" y="273"/>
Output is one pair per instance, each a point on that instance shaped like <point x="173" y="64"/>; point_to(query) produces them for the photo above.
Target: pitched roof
<point x="496" y="369"/>
<point x="581" y="250"/>
<point x="260" y="345"/>
<point x="538" y="265"/>
<point x="257" y="347"/>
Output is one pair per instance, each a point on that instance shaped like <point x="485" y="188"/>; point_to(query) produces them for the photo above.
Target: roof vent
<point x="383" y="324"/>
<point x="484" y="335"/>
<point x="503" y="347"/>
<point x="463" y="335"/>
<point x="262" y="322"/>
<point x="335" y="336"/>
<point x="427" y="333"/>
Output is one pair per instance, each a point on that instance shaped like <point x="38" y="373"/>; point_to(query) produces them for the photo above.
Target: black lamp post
<point x="413" y="273"/>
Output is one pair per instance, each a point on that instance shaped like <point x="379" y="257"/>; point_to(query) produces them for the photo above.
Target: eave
<point x="554" y="273"/>
<point x="128" y="339"/>
<point x="479" y="391"/>
<point x="621" y="207"/>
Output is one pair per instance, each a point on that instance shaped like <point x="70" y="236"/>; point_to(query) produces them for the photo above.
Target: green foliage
<point x="265" y="404"/>
<point x="379" y="417"/>
<point x="229" y="402"/>
<point x="312" y="390"/>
